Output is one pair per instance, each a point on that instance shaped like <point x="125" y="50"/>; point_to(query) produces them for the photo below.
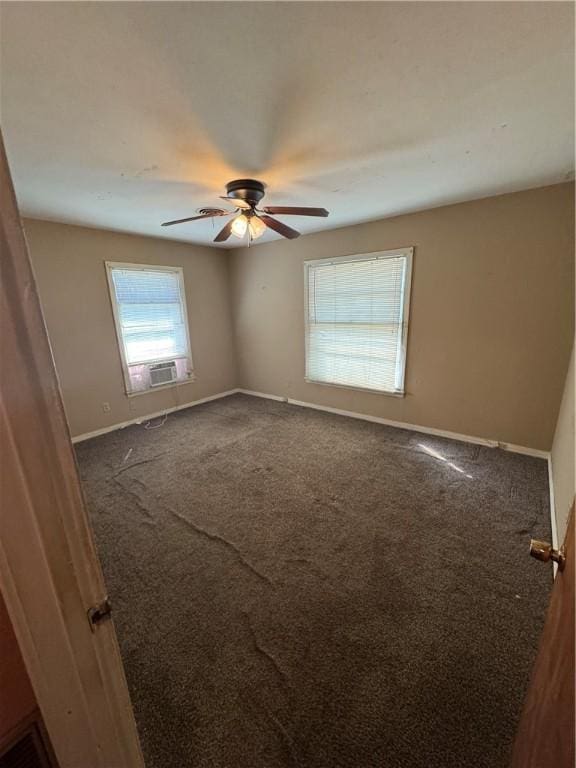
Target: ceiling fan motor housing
<point x="246" y="189"/>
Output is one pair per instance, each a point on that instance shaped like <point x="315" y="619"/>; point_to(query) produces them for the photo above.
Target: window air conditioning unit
<point x="162" y="373"/>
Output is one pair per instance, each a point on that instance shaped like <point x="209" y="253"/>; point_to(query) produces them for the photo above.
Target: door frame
<point x="49" y="571"/>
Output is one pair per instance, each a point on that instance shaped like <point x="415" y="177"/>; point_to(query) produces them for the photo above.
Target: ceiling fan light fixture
<point x="245" y="195"/>
<point x="256" y="227"/>
<point x="239" y="225"/>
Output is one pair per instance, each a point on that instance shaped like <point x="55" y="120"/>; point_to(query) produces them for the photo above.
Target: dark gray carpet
<point x="294" y="588"/>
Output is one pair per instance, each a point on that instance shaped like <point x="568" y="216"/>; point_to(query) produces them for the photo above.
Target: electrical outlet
<point x="106" y="407"/>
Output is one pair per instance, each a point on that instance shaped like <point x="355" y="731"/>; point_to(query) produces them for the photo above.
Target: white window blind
<point x="150" y="314"/>
<point x="357" y="320"/>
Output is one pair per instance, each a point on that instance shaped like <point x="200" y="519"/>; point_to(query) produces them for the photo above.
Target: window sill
<point x="171" y="385"/>
<point x="386" y="392"/>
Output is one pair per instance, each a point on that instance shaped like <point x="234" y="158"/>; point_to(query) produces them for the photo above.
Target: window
<point x="357" y="320"/>
<point x="149" y="308"/>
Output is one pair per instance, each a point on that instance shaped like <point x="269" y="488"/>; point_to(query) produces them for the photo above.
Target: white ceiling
<point x="123" y="115"/>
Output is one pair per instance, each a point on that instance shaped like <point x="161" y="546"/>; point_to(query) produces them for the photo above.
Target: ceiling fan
<point x="245" y="195"/>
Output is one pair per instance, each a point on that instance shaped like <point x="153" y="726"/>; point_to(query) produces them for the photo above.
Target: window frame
<point x="406" y="252"/>
<point x="110" y="266"/>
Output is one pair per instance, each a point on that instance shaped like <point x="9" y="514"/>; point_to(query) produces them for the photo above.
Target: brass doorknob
<point x="544" y="551"/>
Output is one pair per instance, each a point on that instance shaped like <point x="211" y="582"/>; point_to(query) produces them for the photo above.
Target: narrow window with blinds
<point x="149" y="307"/>
<point x="357" y="320"/>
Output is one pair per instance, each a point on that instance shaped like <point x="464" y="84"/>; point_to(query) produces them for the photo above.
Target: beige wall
<point x="491" y="319"/>
<point x="491" y="323"/>
<point x="563" y="460"/>
<point x="69" y="266"/>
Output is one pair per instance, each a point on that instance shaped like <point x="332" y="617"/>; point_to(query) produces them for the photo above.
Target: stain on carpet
<point x="295" y="588"/>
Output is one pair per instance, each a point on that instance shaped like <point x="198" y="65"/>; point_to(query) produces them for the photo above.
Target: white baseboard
<point x="553" y="524"/>
<point x="148" y="416"/>
<point x="340" y="412"/>
<point x="263" y="394"/>
<point x="412" y="427"/>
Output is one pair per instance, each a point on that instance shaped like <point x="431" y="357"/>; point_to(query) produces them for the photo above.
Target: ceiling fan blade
<point x="296" y="211"/>
<point x="196" y="218"/>
<point x="282" y="229"/>
<point x="238" y="202"/>
<point x="225" y="232"/>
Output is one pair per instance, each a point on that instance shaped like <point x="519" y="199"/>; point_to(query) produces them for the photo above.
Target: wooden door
<point x="545" y="738"/>
<point x="49" y="572"/>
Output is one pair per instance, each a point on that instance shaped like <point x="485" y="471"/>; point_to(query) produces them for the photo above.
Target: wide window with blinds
<point x="357" y="320"/>
<point x="149" y="308"/>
